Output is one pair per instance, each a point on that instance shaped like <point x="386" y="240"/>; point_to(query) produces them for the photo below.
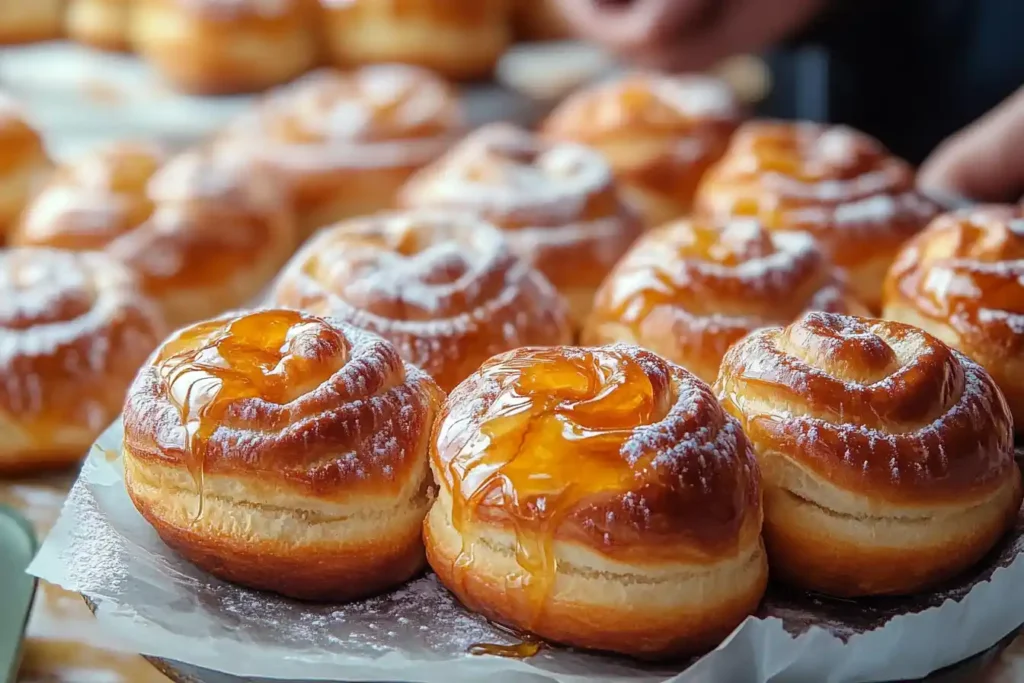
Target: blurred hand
<point x="983" y="162"/>
<point x="686" y="35"/>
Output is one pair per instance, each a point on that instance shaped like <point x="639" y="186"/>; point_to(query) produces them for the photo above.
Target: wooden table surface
<point x="65" y="646"/>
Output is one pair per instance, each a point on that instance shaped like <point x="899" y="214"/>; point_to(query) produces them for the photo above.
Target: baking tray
<point x="17" y="589"/>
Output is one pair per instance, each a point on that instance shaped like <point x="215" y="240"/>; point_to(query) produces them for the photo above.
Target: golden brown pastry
<point x="462" y="39"/>
<point x="347" y="141"/>
<point x="557" y="202"/>
<point x="539" y="20"/>
<point x="886" y="456"/>
<point x="445" y="288"/>
<point x="23" y="162"/>
<point x="659" y="133"/>
<point x="218" y="47"/>
<point x="28" y="21"/>
<point x="204" y="232"/>
<point x="284" y="452"/>
<point x="962" y="280"/>
<point x="73" y="331"/>
<point x="103" y="24"/>
<point x="836" y="183"/>
<point x="690" y="289"/>
<point x="597" y="497"/>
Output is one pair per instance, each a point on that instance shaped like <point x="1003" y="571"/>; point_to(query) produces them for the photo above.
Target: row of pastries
<point x="411" y="395"/>
<point x="224" y="46"/>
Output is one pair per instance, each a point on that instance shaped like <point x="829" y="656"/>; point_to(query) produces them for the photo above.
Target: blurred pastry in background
<point x="346" y="141"/>
<point x="217" y="47"/>
<point x="660" y="134"/>
<point x="443" y="287"/>
<point x="838" y="184"/>
<point x="557" y="202"/>
<point x="23" y="162"/>
<point x="74" y="330"/>
<point x="461" y="39"/>
<point x="103" y="24"/>
<point x="689" y="290"/>
<point x="539" y="20"/>
<point x="28" y="21"/>
<point x="962" y="279"/>
<point x="284" y="452"/>
<point x="205" y="232"/>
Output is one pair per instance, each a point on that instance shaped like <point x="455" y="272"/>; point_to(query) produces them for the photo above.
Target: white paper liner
<point x="160" y="605"/>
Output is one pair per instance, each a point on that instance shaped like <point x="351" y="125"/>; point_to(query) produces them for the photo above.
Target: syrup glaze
<point x="610" y="447"/>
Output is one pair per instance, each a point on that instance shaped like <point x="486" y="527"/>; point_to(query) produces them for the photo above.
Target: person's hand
<point x="686" y="35"/>
<point x="983" y="162"/>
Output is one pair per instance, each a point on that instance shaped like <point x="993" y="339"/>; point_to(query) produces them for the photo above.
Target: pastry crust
<point x="73" y="331"/>
<point x="691" y="289"/>
<point x="212" y="47"/>
<point x="838" y="184"/>
<point x="23" y="162"/>
<point x="204" y="232"/>
<point x="557" y="203"/>
<point x="444" y="287"/>
<point x="887" y="457"/>
<point x="103" y="24"/>
<point x="295" y="463"/>
<point x="539" y="20"/>
<point x="461" y="39"/>
<point x="598" y="498"/>
<point x="29" y="21"/>
<point x="345" y="142"/>
<point x="962" y="280"/>
<point x="659" y="133"/>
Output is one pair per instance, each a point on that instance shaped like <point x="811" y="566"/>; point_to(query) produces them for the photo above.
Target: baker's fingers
<point x="626" y="26"/>
<point x="983" y="162"/>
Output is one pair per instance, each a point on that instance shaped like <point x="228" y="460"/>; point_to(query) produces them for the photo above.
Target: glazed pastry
<point x="462" y="39"/>
<point x="347" y="141"/>
<point x="690" y="289"/>
<point x="836" y="183"/>
<point x="28" y="21"/>
<point x="73" y="331"/>
<point x="539" y="20"/>
<point x="659" y="133"/>
<point x="557" y="202"/>
<point x="962" y="279"/>
<point x="23" y="162"/>
<point x="599" y="498"/>
<point x="218" y="47"/>
<point x="444" y="288"/>
<point x="205" y="232"/>
<point x="284" y="452"/>
<point x="102" y="24"/>
<point x="886" y="456"/>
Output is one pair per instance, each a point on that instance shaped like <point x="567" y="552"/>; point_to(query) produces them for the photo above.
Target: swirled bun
<point x="557" y="203"/>
<point x="838" y="184"/>
<point x="691" y="289"/>
<point x="284" y="452"/>
<point x="103" y="24"/>
<point x="204" y="232"/>
<point x="597" y="497"/>
<point x="345" y="142"/>
<point x="28" y="21"/>
<point x="962" y="280"/>
<point x="887" y="456"/>
<point x="444" y="288"/>
<point x="23" y="162"/>
<point x="659" y="133"/>
<point x="461" y="39"/>
<point x="215" y="47"/>
<point x="73" y="331"/>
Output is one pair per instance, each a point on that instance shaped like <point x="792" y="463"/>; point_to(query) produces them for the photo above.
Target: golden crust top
<point x="878" y="408"/>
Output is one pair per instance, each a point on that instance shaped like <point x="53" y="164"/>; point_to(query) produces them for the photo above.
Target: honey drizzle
<point x="551" y="443"/>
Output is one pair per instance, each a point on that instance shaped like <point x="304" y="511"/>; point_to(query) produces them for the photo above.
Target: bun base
<point x="847" y="555"/>
<point x="654" y="612"/>
<point x="100" y="24"/>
